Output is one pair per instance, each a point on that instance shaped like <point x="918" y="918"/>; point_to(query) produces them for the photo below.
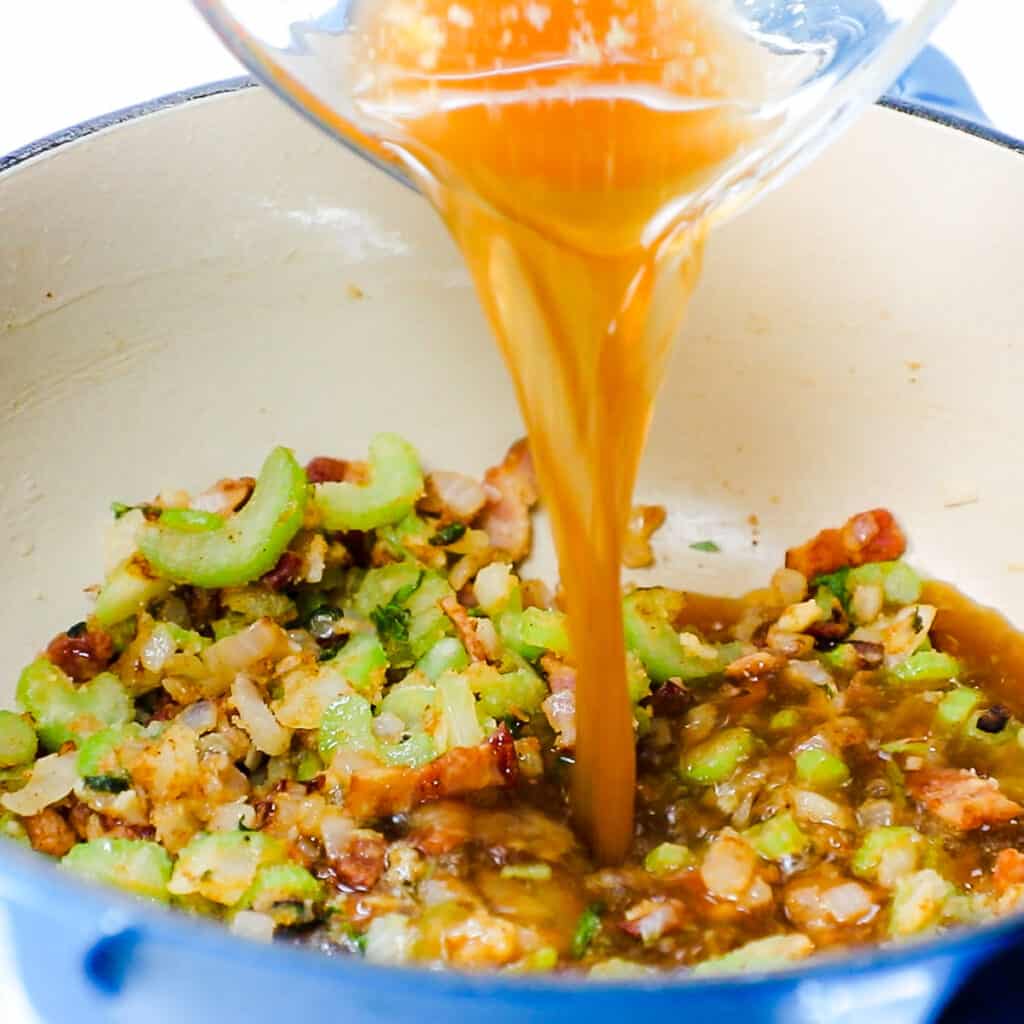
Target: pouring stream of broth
<point x="561" y="143"/>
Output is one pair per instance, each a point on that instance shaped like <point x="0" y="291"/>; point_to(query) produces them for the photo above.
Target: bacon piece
<point x="361" y="861"/>
<point x="465" y="627"/>
<point x="1008" y="870"/>
<point x="453" y="496"/>
<point x="441" y="827"/>
<point x="511" y="490"/>
<point x="872" y="536"/>
<point x="650" y="919"/>
<point x="751" y="667"/>
<point x="643" y="521"/>
<point x="961" y="799"/>
<point x="560" y="707"/>
<point x="225" y="496"/>
<point x="670" y="700"/>
<point x="287" y="572"/>
<point x="81" y="653"/>
<point x="49" y="832"/>
<point x="325" y="470"/>
<point x="376" y="792"/>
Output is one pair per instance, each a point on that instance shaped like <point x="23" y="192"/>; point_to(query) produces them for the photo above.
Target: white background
<point x="62" y="61"/>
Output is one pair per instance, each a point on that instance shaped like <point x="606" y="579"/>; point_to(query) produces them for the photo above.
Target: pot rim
<point x="35" y="885"/>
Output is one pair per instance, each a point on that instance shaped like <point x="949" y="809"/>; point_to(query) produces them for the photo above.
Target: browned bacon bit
<point x="750" y="667"/>
<point x="49" y="832"/>
<point x="506" y="759"/>
<point x="869" y="655"/>
<point x="325" y="470"/>
<point x="225" y="496"/>
<point x="643" y="521"/>
<point x="81" y="652"/>
<point x="465" y="627"/>
<point x="872" y="536"/>
<point x="117" y="829"/>
<point x="670" y="700"/>
<point x="375" y="792"/>
<point x="453" y="496"/>
<point x="1009" y="869"/>
<point x="287" y="572"/>
<point x="560" y="707"/>
<point x="441" y="827"/>
<point x="650" y="919"/>
<point x="361" y="861"/>
<point x="511" y="490"/>
<point x="960" y="798"/>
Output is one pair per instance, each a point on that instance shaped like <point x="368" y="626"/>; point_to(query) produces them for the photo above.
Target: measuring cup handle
<point x="934" y="82"/>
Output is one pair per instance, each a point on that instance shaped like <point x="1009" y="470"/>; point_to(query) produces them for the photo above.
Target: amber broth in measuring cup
<point x="563" y="141"/>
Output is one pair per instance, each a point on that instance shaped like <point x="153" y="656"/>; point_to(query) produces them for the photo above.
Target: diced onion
<point x="248" y="924"/>
<point x="257" y="719"/>
<point x="52" y="778"/>
<point x="811" y="806"/>
<point x="239" y="652"/>
<point x="200" y="717"/>
<point x="848" y="902"/>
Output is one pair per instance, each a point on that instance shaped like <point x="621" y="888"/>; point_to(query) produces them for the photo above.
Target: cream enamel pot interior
<point x="183" y="290"/>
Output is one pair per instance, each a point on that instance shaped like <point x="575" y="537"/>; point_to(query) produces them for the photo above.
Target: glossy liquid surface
<point x="564" y="144"/>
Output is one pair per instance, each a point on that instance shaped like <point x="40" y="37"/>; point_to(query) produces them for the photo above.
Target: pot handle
<point x="935" y="83"/>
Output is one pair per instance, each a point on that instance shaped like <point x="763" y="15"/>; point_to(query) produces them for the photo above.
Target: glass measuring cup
<point x="827" y="59"/>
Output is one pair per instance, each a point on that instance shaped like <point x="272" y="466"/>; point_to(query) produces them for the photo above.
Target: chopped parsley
<point x="392" y="619"/>
<point x="836" y="583"/>
<point x="587" y="928"/>
<point x="107" y="783"/>
<point x="705" y="545"/>
<point x="448" y="534"/>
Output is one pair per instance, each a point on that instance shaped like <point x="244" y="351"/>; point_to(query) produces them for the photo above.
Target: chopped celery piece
<point x="533" y="631"/>
<point x="926" y="667"/>
<point x="347" y="724"/>
<point x="587" y="929"/>
<point x="458" y="711"/>
<point x="396" y="482"/>
<point x="668" y="858"/>
<point x="18" y="742"/>
<point x="543" y="959"/>
<point x="97" y="755"/>
<point x="247" y="545"/>
<point x="135" y="865"/>
<point x="285" y="892"/>
<point x="820" y="769"/>
<point x="414" y="751"/>
<point x="784" y="720"/>
<point x="901" y="584"/>
<point x="990" y="738"/>
<point x="64" y="711"/>
<point x="412" y="703"/>
<point x="221" y="866"/>
<point x="362" y="662"/>
<point x="956" y="706"/>
<point x="447" y="653"/>
<point x="429" y="622"/>
<point x="648" y="620"/>
<point x="515" y="694"/>
<point x="884" y="841"/>
<point x="760" y="955"/>
<point x="128" y="590"/>
<point x="252" y="603"/>
<point x="918" y="903"/>
<point x="778" y="837"/>
<point x="844" y="657"/>
<point x="527" y="872"/>
<point x="193" y="519"/>
<point x="309" y="766"/>
<point x="717" y="758"/>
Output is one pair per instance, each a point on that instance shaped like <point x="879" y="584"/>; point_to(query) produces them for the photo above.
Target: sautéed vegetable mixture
<point x="323" y="707"/>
